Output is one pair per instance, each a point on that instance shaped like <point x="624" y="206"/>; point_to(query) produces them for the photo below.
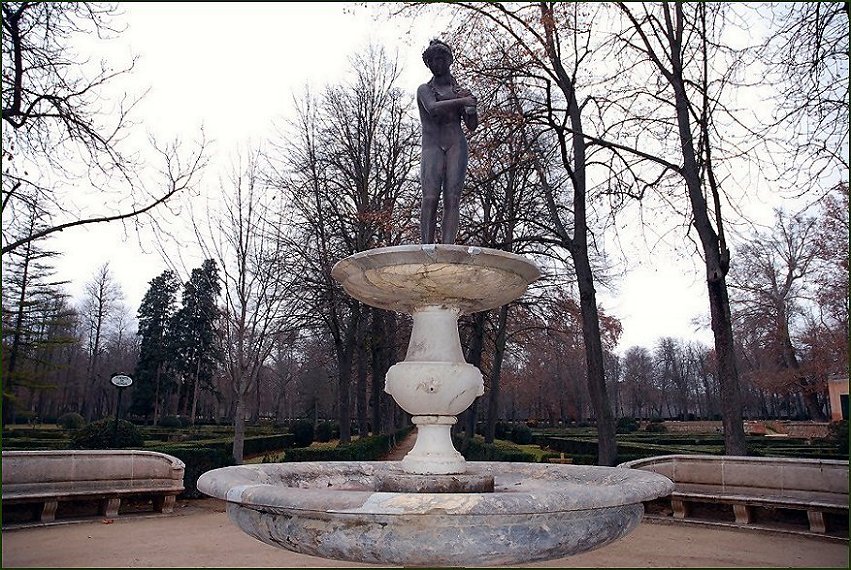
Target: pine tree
<point x="154" y="371"/>
<point x="194" y="325"/>
<point x="29" y="294"/>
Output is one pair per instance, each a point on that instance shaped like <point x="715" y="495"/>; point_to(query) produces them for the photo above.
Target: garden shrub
<point x="71" y="420"/>
<point x="501" y="430"/>
<point x="170" y="422"/>
<point x="626" y="425"/>
<point x="303" y="433"/>
<point x="100" y="434"/>
<point x="521" y="434"/>
<point x="325" y="431"/>
<point x="198" y="460"/>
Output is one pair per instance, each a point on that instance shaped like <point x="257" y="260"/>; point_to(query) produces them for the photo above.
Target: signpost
<point x="120" y="381"/>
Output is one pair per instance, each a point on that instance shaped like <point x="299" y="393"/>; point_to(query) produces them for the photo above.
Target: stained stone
<point x="336" y="510"/>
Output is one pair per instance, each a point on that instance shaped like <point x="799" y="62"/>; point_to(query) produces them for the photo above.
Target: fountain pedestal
<point x="435" y="284"/>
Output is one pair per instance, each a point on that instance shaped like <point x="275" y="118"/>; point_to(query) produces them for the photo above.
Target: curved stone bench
<point x="817" y="486"/>
<point x="48" y="477"/>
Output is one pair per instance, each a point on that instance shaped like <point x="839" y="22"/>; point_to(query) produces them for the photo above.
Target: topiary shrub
<point x="501" y="430"/>
<point x="71" y="420"/>
<point x="325" y="431"/>
<point x="100" y="435"/>
<point x="656" y="427"/>
<point x="626" y="425"/>
<point x="303" y="433"/>
<point x="521" y="434"/>
<point x="170" y="422"/>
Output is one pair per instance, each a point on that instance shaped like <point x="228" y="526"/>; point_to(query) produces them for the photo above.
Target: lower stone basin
<point x="334" y="510"/>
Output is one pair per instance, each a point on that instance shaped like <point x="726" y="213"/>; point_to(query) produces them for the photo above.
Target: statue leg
<point x="456" y="167"/>
<point x="432" y="168"/>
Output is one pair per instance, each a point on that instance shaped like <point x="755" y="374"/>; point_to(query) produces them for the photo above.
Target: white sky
<point x="233" y="67"/>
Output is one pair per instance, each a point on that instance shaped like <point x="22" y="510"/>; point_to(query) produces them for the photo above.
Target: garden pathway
<point x="402" y="448"/>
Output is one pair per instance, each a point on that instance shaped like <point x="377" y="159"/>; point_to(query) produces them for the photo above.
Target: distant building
<point x="837" y="387"/>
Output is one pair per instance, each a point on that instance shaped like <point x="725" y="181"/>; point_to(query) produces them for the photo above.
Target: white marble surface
<point x="406" y="277"/>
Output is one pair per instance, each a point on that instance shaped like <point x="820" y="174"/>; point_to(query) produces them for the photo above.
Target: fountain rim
<point x="243" y="487"/>
<point x="476" y="262"/>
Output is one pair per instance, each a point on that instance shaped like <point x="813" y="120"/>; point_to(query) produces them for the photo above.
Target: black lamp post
<point x="120" y="381"/>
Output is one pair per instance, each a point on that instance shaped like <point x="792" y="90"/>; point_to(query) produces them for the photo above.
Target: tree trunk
<point x="379" y="359"/>
<point x="239" y="426"/>
<point x="157" y="396"/>
<point x="607" y="450"/>
<point x="195" y="392"/>
<point x="362" y="371"/>
<point x="496" y="371"/>
<point x="474" y="357"/>
<point x="728" y="374"/>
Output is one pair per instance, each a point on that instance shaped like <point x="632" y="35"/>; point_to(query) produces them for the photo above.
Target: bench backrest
<point x="79" y="472"/>
<point x="821" y="478"/>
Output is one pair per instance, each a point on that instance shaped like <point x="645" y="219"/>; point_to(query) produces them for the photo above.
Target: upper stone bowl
<point x="336" y="510"/>
<point x="407" y="277"/>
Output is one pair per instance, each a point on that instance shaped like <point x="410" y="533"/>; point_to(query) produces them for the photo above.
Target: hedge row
<point x="198" y="460"/>
<point x="371" y="448"/>
<point x="254" y="445"/>
<point x="477" y="450"/>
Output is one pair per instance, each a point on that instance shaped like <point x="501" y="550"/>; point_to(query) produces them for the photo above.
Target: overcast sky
<point x="233" y="68"/>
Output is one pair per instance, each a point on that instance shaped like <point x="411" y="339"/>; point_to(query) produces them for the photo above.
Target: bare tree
<point x="769" y="288"/>
<point x="63" y="144"/>
<point x="100" y="306"/>
<point x="244" y="240"/>
<point x="344" y="169"/>
<point x="805" y="58"/>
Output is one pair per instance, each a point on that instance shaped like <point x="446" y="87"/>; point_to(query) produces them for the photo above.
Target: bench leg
<point x="680" y="508"/>
<point x="164" y="504"/>
<point x="109" y="507"/>
<point x="817" y="521"/>
<point x="744" y="514"/>
<point x="48" y="511"/>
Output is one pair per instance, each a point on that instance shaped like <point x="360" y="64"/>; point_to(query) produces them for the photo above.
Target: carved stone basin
<point x="335" y="510"/>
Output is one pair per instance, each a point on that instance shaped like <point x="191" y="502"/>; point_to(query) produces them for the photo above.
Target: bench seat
<point x="812" y="485"/>
<point x="108" y="476"/>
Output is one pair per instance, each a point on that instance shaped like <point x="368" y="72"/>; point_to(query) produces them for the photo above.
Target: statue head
<point x="436" y="46"/>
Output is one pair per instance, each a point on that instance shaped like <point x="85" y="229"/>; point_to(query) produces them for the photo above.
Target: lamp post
<point x="120" y="381"/>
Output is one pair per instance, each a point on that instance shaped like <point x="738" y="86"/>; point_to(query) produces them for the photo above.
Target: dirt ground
<point x="199" y="534"/>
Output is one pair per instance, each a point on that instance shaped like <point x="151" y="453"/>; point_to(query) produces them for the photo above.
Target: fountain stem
<point x="434" y="384"/>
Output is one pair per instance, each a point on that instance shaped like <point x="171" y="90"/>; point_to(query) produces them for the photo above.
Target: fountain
<point x="433" y="508"/>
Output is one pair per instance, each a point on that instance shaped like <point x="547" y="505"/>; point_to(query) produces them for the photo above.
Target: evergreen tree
<point x="154" y="371"/>
<point x="194" y="325"/>
<point x="29" y="296"/>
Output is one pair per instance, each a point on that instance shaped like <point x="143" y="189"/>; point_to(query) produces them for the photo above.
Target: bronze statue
<point x="443" y="105"/>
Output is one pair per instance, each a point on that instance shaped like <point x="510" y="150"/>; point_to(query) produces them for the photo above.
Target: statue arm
<point x="433" y="106"/>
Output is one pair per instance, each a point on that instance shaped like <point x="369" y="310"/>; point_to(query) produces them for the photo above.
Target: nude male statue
<point x="443" y="105"/>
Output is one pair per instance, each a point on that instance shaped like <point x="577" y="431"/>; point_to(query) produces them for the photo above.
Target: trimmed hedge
<point x="198" y="460"/>
<point x="371" y="448"/>
<point x="477" y="450"/>
<point x="254" y="445"/>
